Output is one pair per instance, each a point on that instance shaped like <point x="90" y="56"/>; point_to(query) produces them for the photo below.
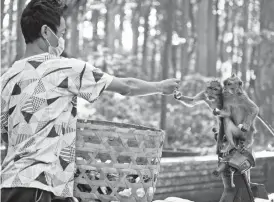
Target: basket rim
<point x="121" y="125"/>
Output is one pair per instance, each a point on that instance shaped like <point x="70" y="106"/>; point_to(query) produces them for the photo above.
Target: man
<point x="38" y="102"/>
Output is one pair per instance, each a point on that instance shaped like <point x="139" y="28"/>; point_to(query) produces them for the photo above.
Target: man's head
<point x="42" y="23"/>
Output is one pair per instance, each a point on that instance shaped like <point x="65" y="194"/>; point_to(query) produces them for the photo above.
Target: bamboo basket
<point x="116" y="161"/>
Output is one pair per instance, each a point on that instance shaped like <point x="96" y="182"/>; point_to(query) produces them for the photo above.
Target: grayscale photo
<point x="137" y="101"/>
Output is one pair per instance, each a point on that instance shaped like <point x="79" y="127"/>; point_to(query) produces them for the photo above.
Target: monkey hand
<point x="216" y="173"/>
<point x="244" y="127"/>
<point x="216" y="112"/>
<point x="177" y="95"/>
<point x="214" y="130"/>
<point x="227" y="148"/>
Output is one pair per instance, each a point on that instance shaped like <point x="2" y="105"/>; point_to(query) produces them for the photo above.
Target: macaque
<point x="238" y="109"/>
<point x="212" y="96"/>
<point x="236" y="160"/>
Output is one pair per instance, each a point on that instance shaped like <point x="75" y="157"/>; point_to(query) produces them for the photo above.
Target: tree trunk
<point x="233" y="47"/>
<point x="112" y="10"/>
<point x="106" y="28"/>
<point x="121" y="25"/>
<point x="83" y="11"/>
<point x="146" y="35"/>
<point x="74" y="48"/>
<point x="211" y="40"/>
<point x="193" y="33"/>
<point x="245" y="45"/>
<point x="111" y="28"/>
<point x="67" y="34"/>
<point x="185" y="6"/>
<point x="173" y="61"/>
<point x="265" y="74"/>
<point x="222" y="35"/>
<point x="2" y="12"/>
<point x="95" y="20"/>
<point x="202" y="37"/>
<point x="153" y="62"/>
<point x="10" y="42"/>
<point x="20" y="44"/>
<point x="166" y="56"/>
<point x="135" y="22"/>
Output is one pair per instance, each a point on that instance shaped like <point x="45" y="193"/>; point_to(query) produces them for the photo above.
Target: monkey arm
<point x="225" y="113"/>
<point x="190" y="101"/>
<point x="222" y="166"/>
<point x="252" y="111"/>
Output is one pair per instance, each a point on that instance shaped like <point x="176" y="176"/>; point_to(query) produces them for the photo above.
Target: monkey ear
<point x="233" y="75"/>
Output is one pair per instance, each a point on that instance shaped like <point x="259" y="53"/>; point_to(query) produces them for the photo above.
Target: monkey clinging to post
<point x="239" y="109"/>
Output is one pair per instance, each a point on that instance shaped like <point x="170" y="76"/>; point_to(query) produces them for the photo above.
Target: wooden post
<point x="184" y="47"/>
<point x="166" y="56"/>
<point x="20" y="43"/>
<point x="202" y="32"/>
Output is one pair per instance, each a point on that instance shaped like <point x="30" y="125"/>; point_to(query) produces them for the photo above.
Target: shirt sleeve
<point x="86" y="81"/>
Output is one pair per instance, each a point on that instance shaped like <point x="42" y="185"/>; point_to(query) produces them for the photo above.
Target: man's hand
<point x="168" y="86"/>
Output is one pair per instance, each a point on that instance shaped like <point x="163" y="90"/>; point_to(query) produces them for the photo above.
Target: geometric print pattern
<point x="38" y="119"/>
<point x="68" y="154"/>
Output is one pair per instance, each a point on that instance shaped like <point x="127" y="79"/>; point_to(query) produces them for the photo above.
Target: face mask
<point x="59" y="49"/>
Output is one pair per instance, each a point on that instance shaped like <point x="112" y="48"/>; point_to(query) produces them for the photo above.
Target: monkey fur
<point x="238" y="109"/>
<point x="212" y="97"/>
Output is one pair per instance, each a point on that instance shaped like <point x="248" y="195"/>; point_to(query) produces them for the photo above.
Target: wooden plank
<point x="193" y="179"/>
<point x="188" y="180"/>
<point x="202" y="195"/>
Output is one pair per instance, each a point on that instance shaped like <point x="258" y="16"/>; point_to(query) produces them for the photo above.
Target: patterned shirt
<point x="38" y="120"/>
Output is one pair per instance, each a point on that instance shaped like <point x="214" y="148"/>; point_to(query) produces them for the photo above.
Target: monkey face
<point x="213" y="90"/>
<point x="232" y="86"/>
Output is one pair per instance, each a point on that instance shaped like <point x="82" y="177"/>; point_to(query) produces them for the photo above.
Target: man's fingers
<point x="177" y="81"/>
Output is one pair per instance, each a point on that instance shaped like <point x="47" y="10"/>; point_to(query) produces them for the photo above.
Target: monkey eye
<point x="240" y="83"/>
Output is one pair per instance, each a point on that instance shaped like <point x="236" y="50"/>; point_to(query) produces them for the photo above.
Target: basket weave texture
<point x="117" y="162"/>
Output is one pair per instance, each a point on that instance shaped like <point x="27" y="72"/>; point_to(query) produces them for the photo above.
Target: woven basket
<point x="116" y="162"/>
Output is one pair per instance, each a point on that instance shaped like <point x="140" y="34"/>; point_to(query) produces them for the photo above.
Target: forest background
<point x="194" y="40"/>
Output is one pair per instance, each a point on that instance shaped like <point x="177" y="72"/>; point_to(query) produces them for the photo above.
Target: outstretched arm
<point x="225" y="113"/>
<point x="190" y="101"/>
<point x="137" y="87"/>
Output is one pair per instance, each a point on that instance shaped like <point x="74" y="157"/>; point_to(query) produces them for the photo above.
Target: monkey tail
<point x="267" y="125"/>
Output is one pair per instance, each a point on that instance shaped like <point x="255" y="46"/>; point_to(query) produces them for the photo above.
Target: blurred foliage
<point x="128" y="38"/>
<point x="186" y="127"/>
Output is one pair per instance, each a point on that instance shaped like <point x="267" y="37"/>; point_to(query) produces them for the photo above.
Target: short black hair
<point x="38" y="13"/>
